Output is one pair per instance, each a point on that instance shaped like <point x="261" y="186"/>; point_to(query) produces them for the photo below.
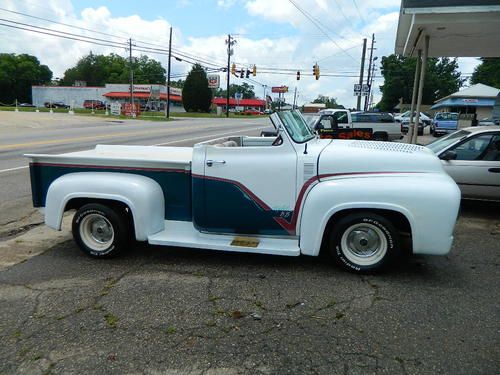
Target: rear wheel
<point x="380" y="137"/>
<point x="364" y="242"/>
<point x="100" y="231"/>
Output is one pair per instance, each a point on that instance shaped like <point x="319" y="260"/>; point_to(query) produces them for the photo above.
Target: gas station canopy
<point x="456" y="28"/>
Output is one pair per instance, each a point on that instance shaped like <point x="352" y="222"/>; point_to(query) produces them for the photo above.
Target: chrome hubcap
<point x="364" y="244"/>
<point x="96" y="232"/>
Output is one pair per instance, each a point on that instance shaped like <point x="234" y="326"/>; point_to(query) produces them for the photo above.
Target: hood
<point x="369" y="157"/>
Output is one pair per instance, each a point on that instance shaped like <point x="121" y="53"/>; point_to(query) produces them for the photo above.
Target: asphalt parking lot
<point x="176" y="311"/>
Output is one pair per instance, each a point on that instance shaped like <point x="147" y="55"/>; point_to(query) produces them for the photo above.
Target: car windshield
<point x="442" y="143"/>
<point x="296" y="126"/>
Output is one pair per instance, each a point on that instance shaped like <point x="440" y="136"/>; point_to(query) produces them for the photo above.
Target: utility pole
<point x="294" y="97"/>
<point x="131" y="77"/>
<point x="168" y="77"/>
<point x="361" y="71"/>
<point x="229" y="43"/>
<point x="369" y="72"/>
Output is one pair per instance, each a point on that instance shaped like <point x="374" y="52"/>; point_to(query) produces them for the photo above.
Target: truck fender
<point x="330" y="197"/>
<point x="142" y="195"/>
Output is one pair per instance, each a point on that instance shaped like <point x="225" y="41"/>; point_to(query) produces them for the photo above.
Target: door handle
<point x="494" y="170"/>
<point x="212" y="162"/>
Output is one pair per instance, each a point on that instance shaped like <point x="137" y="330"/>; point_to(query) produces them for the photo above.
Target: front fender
<point x="429" y="201"/>
<point x="141" y="194"/>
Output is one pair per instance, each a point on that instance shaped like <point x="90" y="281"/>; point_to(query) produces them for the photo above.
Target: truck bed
<point x="129" y="156"/>
<point x="170" y="167"/>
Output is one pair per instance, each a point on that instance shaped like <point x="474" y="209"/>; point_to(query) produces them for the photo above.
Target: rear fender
<point x="142" y="195"/>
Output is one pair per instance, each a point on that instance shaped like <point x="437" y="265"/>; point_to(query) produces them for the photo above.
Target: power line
<point x="357" y="10"/>
<point x="317" y="24"/>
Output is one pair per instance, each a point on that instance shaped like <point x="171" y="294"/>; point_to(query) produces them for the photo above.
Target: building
<point x="313" y="107"/>
<point x="241" y="104"/>
<point x="144" y="94"/>
<point x="477" y="99"/>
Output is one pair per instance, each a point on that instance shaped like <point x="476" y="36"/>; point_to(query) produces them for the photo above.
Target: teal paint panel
<point x="176" y="185"/>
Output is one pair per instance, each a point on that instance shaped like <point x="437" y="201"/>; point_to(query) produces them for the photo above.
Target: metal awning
<point x="457" y="28"/>
<point x="464" y="102"/>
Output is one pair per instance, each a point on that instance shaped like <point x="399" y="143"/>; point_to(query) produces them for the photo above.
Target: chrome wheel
<point x="96" y="232"/>
<point x="364" y="244"/>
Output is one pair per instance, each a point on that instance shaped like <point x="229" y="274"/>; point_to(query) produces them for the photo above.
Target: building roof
<point x="140" y="95"/>
<point x="241" y="102"/>
<point x="475" y="91"/>
<point x="315" y="105"/>
<point x="457" y="28"/>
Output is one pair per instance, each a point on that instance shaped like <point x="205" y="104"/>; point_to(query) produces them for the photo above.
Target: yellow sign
<point x="245" y="242"/>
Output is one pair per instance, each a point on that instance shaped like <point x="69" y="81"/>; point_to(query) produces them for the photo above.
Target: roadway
<point x="22" y="133"/>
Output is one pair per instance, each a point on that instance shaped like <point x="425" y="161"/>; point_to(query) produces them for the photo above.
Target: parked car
<point x="26" y="105"/>
<point x="251" y="112"/>
<point x="404" y="120"/>
<point x="383" y="124"/>
<point x="55" y="105"/>
<point x="472" y="158"/>
<point x="94" y="104"/>
<point x="289" y="195"/>
<point x="444" y="123"/>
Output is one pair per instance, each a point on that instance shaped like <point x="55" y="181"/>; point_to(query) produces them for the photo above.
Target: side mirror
<point x="448" y="155"/>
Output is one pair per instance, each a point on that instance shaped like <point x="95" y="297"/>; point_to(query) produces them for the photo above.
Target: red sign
<point x="130" y="111"/>
<point x="280" y="89"/>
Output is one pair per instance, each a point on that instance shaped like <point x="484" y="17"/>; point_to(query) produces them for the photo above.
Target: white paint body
<point x="314" y="180"/>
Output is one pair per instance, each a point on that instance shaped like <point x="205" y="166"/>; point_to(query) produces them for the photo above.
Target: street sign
<point x="357" y="89"/>
<point x="279" y="89"/>
<point x="213" y="81"/>
<point x="365" y="89"/>
<point x="116" y="108"/>
<point x="131" y="111"/>
<point x="238" y="95"/>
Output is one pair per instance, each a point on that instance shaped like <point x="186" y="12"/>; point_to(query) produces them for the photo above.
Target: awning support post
<point x="411" y="123"/>
<point x="421" y="87"/>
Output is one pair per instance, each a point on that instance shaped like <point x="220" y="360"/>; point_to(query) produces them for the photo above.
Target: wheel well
<point x="396" y="218"/>
<point x="77" y="203"/>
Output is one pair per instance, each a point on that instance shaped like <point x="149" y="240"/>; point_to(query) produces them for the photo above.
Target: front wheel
<point x="363" y="242"/>
<point x="100" y="231"/>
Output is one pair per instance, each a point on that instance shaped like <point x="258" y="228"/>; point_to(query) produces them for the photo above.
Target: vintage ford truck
<point x="289" y="195"/>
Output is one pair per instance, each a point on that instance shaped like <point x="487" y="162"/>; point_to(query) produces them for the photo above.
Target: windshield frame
<point x="296" y="126"/>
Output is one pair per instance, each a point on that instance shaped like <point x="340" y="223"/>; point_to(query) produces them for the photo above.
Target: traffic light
<point x="298" y="75"/>
<point x="254" y="70"/>
<point x="316" y="71"/>
<point x="233" y="68"/>
<point x="248" y="73"/>
<point x="242" y="73"/>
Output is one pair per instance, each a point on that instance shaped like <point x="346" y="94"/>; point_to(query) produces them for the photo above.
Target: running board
<point x="184" y="234"/>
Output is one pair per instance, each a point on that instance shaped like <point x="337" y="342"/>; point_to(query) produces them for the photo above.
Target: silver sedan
<point x="471" y="157"/>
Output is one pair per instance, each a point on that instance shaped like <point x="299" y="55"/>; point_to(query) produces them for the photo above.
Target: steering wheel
<point x="278" y="141"/>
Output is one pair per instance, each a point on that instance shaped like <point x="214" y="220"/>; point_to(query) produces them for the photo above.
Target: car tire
<point x="364" y="242"/>
<point x="101" y="231"/>
<point x="380" y="137"/>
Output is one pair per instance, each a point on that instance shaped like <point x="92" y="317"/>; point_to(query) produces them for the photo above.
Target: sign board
<point x="238" y="95"/>
<point x="361" y="90"/>
<point x="142" y="88"/>
<point x="213" y="81"/>
<point x="155" y="92"/>
<point x="470" y="100"/>
<point x="116" y="108"/>
<point x="131" y="111"/>
<point x="279" y="89"/>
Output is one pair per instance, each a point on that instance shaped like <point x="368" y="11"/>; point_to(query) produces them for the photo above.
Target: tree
<point x="245" y="89"/>
<point x="177" y="84"/>
<point x="196" y="96"/>
<point x="330" y="102"/>
<point x="97" y="70"/>
<point x="18" y="73"/>
<point x="488" y="72"/>
<point x="442" y="78"/>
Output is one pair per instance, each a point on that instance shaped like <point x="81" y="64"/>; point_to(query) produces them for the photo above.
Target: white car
<point x="289" y="195"/>
<point x="471" y="157"/>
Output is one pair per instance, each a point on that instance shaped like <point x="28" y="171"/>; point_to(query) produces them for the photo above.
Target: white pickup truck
<point x="289" y="195"/>
<point x="383" y="126"/>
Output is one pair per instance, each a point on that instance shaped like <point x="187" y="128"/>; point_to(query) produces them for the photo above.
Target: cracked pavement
<point x="179" y="311"/>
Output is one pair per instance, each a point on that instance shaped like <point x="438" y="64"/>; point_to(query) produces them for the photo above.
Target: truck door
<point x="246" y="187"/>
